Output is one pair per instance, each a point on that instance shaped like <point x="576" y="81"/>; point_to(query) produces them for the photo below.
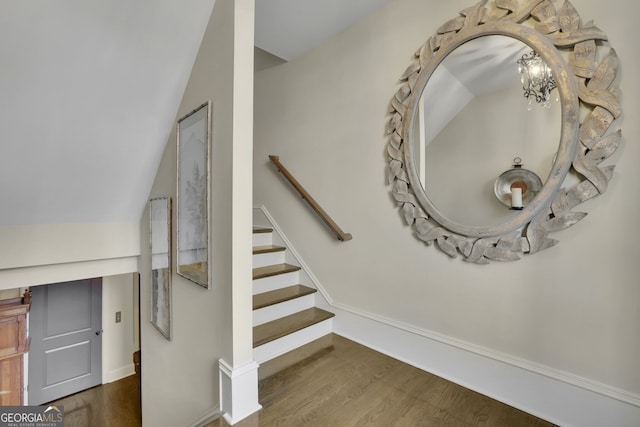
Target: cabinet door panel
<point x="11" y="381"/>
<point x="9" y="336"/>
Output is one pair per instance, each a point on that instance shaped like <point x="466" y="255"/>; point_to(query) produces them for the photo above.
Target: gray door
<point x="66" y="339"/>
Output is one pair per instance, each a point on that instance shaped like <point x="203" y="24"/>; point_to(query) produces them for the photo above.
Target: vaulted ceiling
<point x="89" y="91"/>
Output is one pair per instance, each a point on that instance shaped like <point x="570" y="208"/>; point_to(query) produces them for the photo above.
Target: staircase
<point x="285" y="313"/>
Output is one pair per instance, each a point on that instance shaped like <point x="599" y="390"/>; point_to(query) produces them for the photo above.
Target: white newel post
<point x="238" y="371"/>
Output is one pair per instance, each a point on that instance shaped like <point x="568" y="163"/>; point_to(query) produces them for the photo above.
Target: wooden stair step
<point x="258" y="230"/>
<point x="281" y="295"/>
<point x="273" y="270"/>
<point x="279" y="328"/>
<point x="267" y="249"/>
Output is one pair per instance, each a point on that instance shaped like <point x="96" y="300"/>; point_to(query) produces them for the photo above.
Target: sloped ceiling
<point x="89" y="91"/>
<point x="88" y="94"/>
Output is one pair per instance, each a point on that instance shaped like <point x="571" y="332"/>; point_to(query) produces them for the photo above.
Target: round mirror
<point x="461" y="120"/>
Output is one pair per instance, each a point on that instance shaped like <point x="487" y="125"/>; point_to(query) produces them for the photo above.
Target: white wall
<point x="37" y="254"/>
<point x="119" y="340"/>
<point x="573" y="309"/>
<point x="462" y="187"/>
<point x="180" y="378"/>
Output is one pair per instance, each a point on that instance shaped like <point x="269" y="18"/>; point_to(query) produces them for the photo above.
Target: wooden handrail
<point x="341" y="235"/>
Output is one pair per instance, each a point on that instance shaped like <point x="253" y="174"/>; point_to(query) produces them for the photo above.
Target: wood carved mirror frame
<point x="586" y="88"/>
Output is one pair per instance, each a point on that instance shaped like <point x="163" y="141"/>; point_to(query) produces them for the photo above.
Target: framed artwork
<point x="193" y="137"/>
<point x="160" y="236"/>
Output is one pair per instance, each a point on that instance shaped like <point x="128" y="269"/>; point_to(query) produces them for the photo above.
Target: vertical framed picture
<point x="160" y="236"/>
<point x="193" y="139"/>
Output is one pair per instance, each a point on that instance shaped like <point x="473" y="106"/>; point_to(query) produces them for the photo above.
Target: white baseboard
<point x="118" y="374"/>
<point x="561" y="398"/>
<point x="209" y="416"/>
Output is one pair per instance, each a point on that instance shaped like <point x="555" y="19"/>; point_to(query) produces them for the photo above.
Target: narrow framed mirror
<point x="160" y="239"/>
<point x="193" y="142"/>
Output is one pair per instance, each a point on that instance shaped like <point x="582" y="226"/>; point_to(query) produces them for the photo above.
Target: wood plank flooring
<point x="116" y="404"/>
<point x="348" y="385"/>
<point x="342" y="384"/>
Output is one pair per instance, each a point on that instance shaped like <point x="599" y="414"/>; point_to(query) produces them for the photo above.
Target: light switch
<point x="118" y="316"/>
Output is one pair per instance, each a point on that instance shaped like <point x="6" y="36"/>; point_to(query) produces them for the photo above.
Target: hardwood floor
<point x="341" y="384"/>
<point x="347" y="384"/>
<point x="116" y="404"/>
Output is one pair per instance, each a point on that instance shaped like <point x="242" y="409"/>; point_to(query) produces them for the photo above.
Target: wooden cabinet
<point x="14" y="343"/>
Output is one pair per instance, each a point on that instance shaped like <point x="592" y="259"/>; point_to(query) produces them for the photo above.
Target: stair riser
<point x="262" y="239"/>
<point x="276" y="311"/>
<point x="287" y="343"/>
<point x="270" y="258"/>
<point x="276" y="320"/>
<point x="275" y="282"/>
<point x="287" y="360"/>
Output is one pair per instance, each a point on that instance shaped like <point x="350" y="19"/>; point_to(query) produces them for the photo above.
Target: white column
<point x="238" y="370"/>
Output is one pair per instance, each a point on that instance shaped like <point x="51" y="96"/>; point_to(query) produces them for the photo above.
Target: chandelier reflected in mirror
<point x="537" y="79"/>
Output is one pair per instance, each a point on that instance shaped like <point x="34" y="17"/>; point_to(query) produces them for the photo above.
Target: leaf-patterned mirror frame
<point x="586" y="87"/>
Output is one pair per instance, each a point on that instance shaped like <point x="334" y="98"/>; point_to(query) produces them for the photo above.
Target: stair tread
<point x="262" y="230"/>
<point x="273" y="270"/>
<point x="279" y="328"/>
<point x="268" y="249"/>
<point x="266" y="299"/>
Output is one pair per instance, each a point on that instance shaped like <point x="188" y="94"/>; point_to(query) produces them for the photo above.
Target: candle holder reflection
<point x="516" y="187"/>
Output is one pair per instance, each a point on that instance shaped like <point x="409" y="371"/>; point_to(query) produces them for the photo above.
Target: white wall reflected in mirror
<point x="464" y="141"/>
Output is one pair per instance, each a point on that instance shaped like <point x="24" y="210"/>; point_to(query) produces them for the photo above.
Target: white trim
<point x="558" y="396"/>
<point x="538" y="390"/>
<point x="118" y="374"/>
<point x="238" y="391"/>
<point x="209" y="416"/>
<point x="556" y="374"/>
<point x="25" y="370"/>
<point x="66" y="272"/>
